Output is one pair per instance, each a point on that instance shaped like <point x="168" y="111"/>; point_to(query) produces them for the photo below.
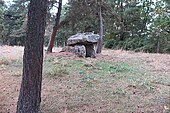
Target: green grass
<point x="99" y="85"/>
<point x="4" y="61"/>
<point x="130" y="72"/>
<point x="59" y="67"/>
<point x="11" y="67"/>
<point x="17" y="63"/>
<point x="121" y="86"/>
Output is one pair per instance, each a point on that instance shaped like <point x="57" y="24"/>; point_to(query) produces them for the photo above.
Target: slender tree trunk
<point x="122" y="33"/>
<point x="55" y="28"/>
<point x="30" y="92"/>
<point x="158" y="45"/>
<point x="100" y="41"/>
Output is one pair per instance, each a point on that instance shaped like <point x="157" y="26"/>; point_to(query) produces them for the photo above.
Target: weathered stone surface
<point x="79" y="50"/>
<point x="83" y="39"/>
<point x="91" y="50"/>
<point x="67" y="49"/>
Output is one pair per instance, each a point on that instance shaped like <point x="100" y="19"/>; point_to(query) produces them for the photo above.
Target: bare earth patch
<point x="114" y="82"/>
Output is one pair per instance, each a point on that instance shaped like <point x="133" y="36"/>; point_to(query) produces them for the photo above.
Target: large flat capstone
<point x="83" y="39"/>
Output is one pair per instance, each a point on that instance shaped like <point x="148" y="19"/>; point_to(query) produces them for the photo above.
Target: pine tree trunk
<point x="100" y="41"/>
<point x="30" y="92"/>
<point x="158" y="45"/>
<point x="55" y="28"/>
<point x="122" y="33"/>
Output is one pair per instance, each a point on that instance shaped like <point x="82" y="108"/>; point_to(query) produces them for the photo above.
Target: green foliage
<point x="80" y="16"/>
<point x="14" y="15"/>
<point x="136" y="44"/>
<point x="148" y="28"/>
<point x="2" y="10"/>
<point x="110" y="44"/>
<point x="127" y="24"/>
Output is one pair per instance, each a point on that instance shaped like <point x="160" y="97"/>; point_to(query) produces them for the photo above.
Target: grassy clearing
<point x="88" y="85"/>
<point x="11" y="67"/>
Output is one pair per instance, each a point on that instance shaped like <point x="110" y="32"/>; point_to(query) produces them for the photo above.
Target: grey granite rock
<point x="84" y="44"/>
<point x="83" y="38"/>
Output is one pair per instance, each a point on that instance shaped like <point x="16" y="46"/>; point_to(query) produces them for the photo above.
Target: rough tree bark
<point x="30" y="91"/>
<point x="122" y="33"/>
<point x="55" y="28"/>
<point x="100" y="41"/>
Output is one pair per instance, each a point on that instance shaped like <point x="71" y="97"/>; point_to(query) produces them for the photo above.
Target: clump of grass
<point x="4" y="61"/>
<point x="120" y="91"/>
<point x="57" y="72"/>
<point x="88" y="80"/>
<point x="17" y="63"/>
<point x="55" y="67"/>
<point x="50" y="59"/>
<point x="121" y="67"/>
<point x="149" y="85"/>
<point x="107" y="67"/>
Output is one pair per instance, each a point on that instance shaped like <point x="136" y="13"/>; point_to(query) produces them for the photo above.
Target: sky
<point x="65" y="1"/>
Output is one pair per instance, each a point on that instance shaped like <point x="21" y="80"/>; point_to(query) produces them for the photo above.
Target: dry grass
<point x="115" y="82"/>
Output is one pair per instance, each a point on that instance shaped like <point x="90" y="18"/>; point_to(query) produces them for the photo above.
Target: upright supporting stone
<point x="91" y="50"/>
<point x="80" y="50"/>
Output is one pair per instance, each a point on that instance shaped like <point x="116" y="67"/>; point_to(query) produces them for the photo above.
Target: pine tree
<point x="30" y="92"/>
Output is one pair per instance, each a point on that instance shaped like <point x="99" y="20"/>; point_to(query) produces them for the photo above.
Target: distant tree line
<point x="138" y="25"/>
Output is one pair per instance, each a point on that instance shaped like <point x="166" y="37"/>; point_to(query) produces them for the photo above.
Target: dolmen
<point x="83" y="44"/>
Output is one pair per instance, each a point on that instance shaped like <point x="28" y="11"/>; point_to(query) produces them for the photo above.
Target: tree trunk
<point x="100" y="41"/>
<point x="30" y="91"/>
<point x="55" y="28"/>
<point x="158" y="45"/>
<point x="122" y="33"/>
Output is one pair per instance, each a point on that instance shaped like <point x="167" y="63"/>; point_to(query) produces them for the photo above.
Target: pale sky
<point x="65" y="1"/>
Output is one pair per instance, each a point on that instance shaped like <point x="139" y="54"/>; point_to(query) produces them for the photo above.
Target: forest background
<point x="138" y="25"/>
